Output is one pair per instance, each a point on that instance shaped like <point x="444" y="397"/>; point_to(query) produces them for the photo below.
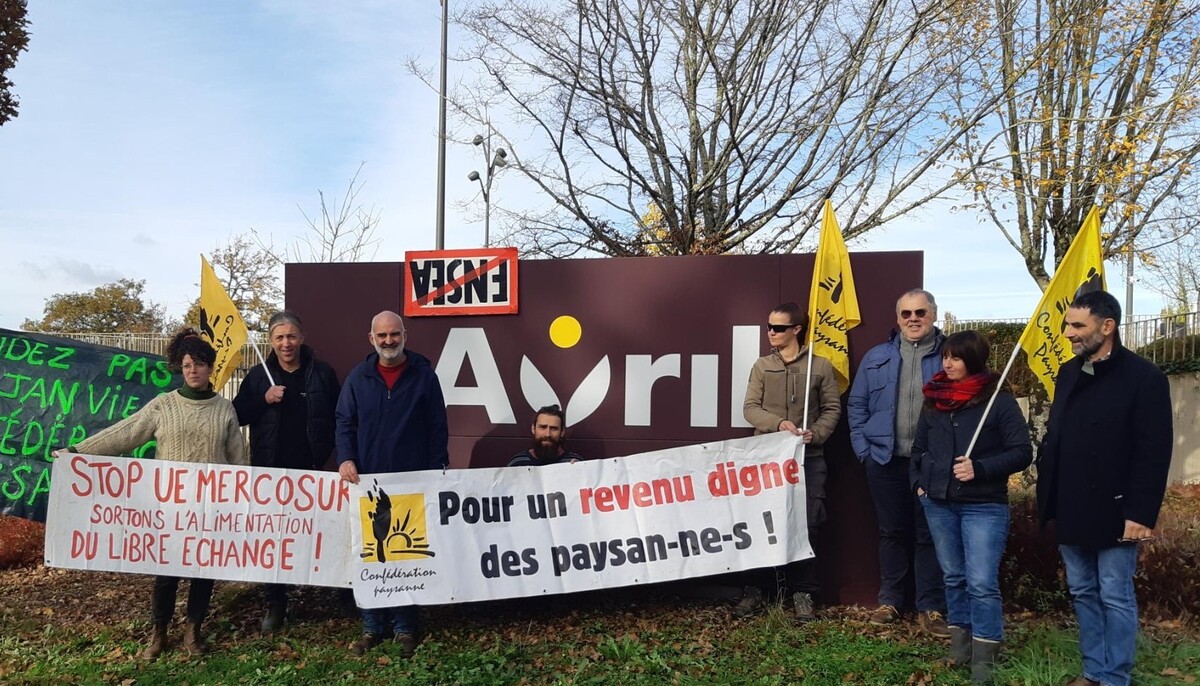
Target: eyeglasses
<point x="905" y="314"/>
<point x="780" y="328"/>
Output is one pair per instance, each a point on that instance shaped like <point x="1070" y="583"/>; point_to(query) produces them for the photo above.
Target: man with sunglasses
<point x="776" y="396"/>
<point x="883" y="408"/>
<point x="1102" y="472"/>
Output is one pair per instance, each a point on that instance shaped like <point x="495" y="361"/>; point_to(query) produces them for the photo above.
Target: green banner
<point x="54" y="392"/>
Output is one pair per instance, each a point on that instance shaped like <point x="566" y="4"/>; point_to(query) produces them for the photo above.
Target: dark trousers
<point x="802" y="575"/>
<point x="907" y="558"/>
<point x="277" y="595"/>
<point x="162" y="605"/>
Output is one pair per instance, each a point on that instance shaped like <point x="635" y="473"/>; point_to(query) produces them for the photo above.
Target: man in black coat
<point x="1102" y="473"/>
<point x="289" y="404"/>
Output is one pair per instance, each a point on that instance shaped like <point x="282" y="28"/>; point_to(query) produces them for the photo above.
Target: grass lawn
<point x="60" y="626"/>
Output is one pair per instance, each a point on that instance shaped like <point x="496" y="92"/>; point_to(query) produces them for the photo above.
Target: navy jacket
<point x="1107" y="449"/>
<point x="1003" y="448"/>
<point x="321" y="390"/>
<point x="399" y="430"/>
<point x="871" y="405"/>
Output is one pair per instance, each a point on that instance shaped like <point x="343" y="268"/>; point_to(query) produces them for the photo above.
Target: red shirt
<point x="391" y="374"/>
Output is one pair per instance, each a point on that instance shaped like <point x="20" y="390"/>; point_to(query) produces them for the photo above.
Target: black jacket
<point x="321" y="389"/>
<point x="1107" y="449"/>
<point x="1003" y="448"/>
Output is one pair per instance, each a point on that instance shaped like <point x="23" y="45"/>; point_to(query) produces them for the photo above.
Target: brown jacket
<point x="775" y="392"/>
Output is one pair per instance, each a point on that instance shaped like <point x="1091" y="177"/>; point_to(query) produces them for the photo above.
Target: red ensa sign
<point x="458" y="282"/>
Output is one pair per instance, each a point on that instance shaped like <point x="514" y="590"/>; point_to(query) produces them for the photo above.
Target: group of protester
<point x="389" y="416"/>
<point x="937" y="439"/>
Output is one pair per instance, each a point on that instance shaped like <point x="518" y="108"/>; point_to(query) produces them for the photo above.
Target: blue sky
<point x="150" y="132"/>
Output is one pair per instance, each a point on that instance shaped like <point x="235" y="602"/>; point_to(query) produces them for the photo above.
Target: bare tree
<point x="343" y="232"/>
<point x="250" y="274"/>
<point x="1099" y="107"/>
<point x="1174" y="268"/>
<point x="732" y="119"/>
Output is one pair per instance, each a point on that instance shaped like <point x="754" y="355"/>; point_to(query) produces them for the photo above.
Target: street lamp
<point x="495" y="162"/>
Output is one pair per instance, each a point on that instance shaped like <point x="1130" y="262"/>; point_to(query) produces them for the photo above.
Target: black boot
<point x="960" y="646"/>
<point x="983" y="659"/>
<point x="273" y="620"/>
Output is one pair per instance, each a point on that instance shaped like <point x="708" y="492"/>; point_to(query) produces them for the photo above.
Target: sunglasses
<point x="905" y="314"/>
<point x="780" y="328"/>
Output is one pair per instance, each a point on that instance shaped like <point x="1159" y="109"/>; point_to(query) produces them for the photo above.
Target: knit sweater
<point x="185" y="431"/>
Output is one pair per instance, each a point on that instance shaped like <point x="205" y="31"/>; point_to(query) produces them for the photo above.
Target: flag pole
<point x="1081" y="270"/>
<point x="992" y="400"/>
<point x="808" y="375"/>
<point x="262" y="360"/>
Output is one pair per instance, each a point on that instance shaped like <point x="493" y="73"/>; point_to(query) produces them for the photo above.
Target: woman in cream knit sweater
<point x="192" y="424"/>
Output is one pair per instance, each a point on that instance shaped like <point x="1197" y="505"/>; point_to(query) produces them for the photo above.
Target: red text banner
<point x="466" y="535"/>
<point x="198" y="520"/>
<point x="460" y="282"/>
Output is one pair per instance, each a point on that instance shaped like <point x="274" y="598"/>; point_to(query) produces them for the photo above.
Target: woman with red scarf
<point x="965" y="497"/>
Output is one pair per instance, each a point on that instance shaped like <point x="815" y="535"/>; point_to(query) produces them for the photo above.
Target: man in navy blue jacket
<point x="391" y="417"/>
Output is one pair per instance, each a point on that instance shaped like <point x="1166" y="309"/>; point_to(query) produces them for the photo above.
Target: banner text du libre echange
<point x="214" y="521"/>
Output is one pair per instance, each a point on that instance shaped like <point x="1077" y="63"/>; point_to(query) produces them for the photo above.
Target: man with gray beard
<point x="391" y="417"/>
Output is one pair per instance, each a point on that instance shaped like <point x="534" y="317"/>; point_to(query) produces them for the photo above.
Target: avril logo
<point x="470" y="346"/>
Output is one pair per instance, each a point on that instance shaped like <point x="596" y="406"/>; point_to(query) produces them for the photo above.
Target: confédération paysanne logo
<point x="393" y="526"/>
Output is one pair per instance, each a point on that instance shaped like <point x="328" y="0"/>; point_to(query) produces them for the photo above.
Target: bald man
<point x="391" y="417"/>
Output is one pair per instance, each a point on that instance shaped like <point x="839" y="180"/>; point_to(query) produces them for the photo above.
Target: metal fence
<point x="1158" y="338"/>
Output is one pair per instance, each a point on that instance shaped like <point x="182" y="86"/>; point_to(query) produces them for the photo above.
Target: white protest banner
<point x="215" y="521"/>
<point x="464" y="535"/>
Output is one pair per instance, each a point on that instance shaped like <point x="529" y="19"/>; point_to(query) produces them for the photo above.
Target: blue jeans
<point x="1101" y="582"/>
<point x="969" y="539"/>
<point x="906" y="555"/>
<point x="404" y="620"/>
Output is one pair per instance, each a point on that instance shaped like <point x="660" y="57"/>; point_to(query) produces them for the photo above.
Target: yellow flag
<point x="832" y="300"/>
<point x="1080" y="271"/>
<point x="220" y="324"/>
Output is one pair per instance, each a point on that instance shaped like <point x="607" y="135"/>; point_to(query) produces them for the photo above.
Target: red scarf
<point x="948" y="395"/>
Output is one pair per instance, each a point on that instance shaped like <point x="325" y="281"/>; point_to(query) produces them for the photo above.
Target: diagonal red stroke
<point x="458" y="282"/>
